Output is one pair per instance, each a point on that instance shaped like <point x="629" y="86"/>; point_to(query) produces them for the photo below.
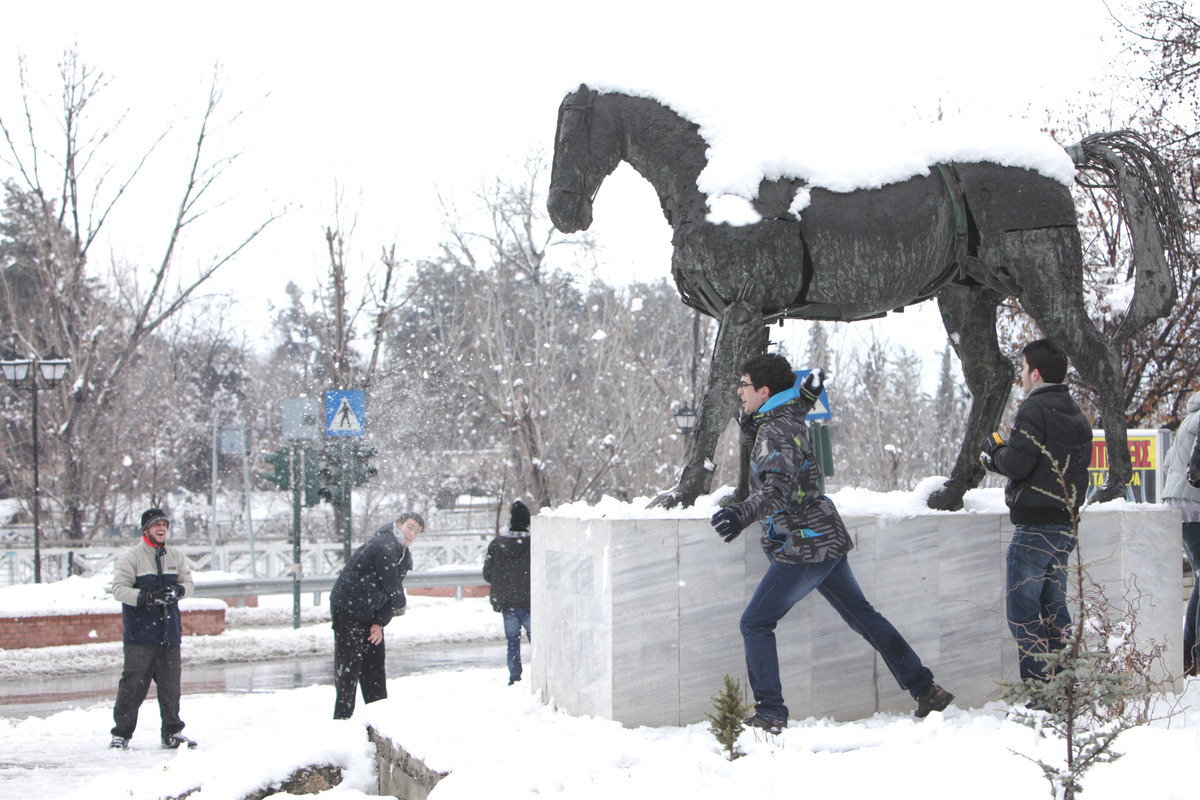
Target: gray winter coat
<point x="799" y="524"/>
<point x="139" y="571"/>
<point x="1181" y="450"/>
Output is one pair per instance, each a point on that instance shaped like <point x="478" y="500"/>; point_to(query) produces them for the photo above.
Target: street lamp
<point x="53" y="370"/>
<point x="685" y="418"/>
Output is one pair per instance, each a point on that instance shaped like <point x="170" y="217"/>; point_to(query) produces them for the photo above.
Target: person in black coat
<point x="365" y="597"/>
<point x="1048" y="431"/>
<point x="506" y="568"/>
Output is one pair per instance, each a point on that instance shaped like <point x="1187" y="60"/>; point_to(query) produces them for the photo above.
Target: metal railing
<point x="319" y="584"/>
<point x="269" y="559"/>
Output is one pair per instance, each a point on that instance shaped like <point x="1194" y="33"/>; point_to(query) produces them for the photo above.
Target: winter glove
<point x="727" y="524"/>
<point x="988" y="447"/>
<point x="814" y="383"/>
<point x="167" y="596"/>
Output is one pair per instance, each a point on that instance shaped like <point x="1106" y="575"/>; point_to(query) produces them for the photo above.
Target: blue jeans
<point x="514" y="619"/>
<point x="1036" y="598"/>
<point x="782" y="587"/>
<point x="1191" y="546"/>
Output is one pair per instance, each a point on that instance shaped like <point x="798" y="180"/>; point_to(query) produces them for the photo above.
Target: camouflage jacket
<point x="799" y="524"/>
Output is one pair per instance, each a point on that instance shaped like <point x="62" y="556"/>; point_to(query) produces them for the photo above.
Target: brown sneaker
<point x="932" y="698"/>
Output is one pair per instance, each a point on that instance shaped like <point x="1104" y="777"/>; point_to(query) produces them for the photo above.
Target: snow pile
<point x="850" y="502"/>
<point x="830" y="143"/>
<point x="501" y="741"/>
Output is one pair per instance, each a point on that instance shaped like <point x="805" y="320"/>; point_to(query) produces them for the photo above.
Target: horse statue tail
<point x="1129" y="166"/>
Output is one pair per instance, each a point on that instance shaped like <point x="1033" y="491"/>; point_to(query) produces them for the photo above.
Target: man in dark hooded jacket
<point x="805" y="539"/>
<point x="1049" y="434"/>
<point x="365" y="597"/>
<point x="506" y="568"/>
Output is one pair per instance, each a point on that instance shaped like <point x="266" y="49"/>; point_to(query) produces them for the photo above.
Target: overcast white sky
<point x="395" y="100"/>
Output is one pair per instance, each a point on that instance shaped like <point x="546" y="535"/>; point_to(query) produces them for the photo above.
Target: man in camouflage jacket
<point x="805" y="540"/>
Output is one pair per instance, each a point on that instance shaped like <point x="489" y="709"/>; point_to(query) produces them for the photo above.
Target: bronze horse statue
<point x="968" y="234"/>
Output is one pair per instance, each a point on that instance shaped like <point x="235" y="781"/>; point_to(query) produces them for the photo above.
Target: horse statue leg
<point x="742" y="334"/>
<point x="1048" y="266"/>
<point x="970" y="319"/>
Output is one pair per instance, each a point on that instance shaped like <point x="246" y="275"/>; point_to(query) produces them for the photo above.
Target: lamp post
<point x="53" y="370"/>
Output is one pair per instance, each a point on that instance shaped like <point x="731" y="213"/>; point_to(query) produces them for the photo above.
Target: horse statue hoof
<point x="948" y="498"/>
<point x="1107" y="492"/>
<point x="668" y="499"/>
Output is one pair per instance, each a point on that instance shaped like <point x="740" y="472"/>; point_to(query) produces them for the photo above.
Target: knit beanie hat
<point x="153" y="515"/>
<point x="518" y="517"/>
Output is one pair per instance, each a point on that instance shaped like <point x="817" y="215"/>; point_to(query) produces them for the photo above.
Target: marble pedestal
<point x="636" y="620"/>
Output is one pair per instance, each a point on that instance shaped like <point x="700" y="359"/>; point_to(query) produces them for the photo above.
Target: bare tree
<point x="565" y="392"/>
<point x="64" y="196"/>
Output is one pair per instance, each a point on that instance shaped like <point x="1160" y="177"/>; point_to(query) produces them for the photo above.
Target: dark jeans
<point x="1036" y="583"/>
<point x="514" y="619"/>
<point x="143" y="663"/>
<point x="1191" y="637"/>
<point x="356" y="661"/>
<point x="782" y="587"/>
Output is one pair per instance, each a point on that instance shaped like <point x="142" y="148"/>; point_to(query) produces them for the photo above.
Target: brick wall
<point x="448" y="591"/>
<point x="17" y="633"/>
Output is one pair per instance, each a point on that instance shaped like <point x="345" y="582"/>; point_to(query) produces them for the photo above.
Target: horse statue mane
<point x="967" y="234"/>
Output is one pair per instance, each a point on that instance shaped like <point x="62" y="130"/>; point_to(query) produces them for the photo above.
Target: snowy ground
<point x="499" y="741"/>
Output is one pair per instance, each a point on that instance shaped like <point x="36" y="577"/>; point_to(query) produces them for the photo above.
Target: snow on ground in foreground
<point x="500" y="741"/>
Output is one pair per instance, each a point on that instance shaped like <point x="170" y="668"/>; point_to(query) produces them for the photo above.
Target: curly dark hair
<point x="771" y="370"/>
<point x="1047" y="357"/>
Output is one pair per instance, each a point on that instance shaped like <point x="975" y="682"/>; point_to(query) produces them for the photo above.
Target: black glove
<point x="727" y="524"/>
<point x="814" y="383"/>
<point x="167" y="596"/>
<point x="988" y="447"/>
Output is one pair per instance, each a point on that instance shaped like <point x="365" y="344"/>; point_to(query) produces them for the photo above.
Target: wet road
<point x="40" y="697"/>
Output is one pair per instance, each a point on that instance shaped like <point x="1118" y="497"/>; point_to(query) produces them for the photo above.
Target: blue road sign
<point x="345" y="413"/>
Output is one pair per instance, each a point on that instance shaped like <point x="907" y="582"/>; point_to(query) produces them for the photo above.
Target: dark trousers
<point x="514" y="620"/>
<point x="1191" y="623"/>
<point x="143" y="663"/>
<point x="782" y="587"/>
<point x="1036" y="602"/>
<point x="356" y="662"/>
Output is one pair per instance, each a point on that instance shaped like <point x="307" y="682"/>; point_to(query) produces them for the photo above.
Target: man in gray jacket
<point x="805" y="540"/>
<point x="149" y="579"/>
<point x="1182" y="494"/>
<point x="365" y="597"/>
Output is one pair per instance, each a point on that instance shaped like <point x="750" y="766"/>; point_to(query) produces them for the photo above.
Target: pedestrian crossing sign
<point x="345" y="413"/>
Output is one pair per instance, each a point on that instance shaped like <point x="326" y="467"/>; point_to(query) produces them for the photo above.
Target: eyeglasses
<point x="745" y="385"/>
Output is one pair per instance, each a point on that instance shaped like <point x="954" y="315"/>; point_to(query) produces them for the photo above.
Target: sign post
<point x="300" y="423"/>
<point x="345" y="415"/>
<point x="818" y="424"/>
<point x="235" y="440"/>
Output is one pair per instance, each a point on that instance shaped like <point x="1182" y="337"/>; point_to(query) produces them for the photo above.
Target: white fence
<point x="270" y="559"/>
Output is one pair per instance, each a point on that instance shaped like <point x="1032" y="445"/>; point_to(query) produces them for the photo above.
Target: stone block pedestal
<point x="636" y="620"/>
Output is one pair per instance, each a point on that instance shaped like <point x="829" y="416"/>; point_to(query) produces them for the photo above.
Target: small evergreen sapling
<point x="731" y="708"/>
